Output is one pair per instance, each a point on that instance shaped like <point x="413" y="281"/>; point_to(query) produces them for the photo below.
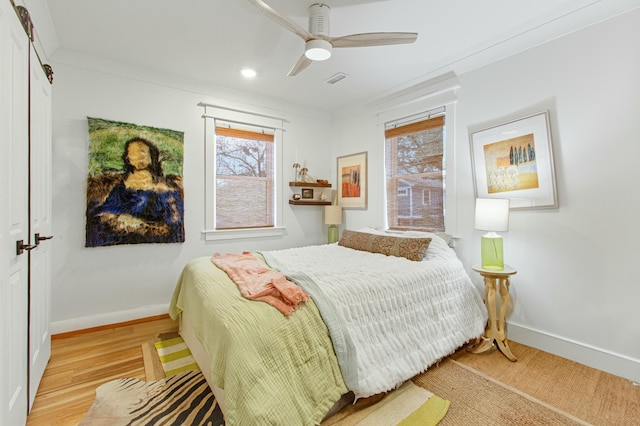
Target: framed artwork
<point x="134" y="184"/>
<point x="307" y="194"/>
<point x="352" y="181"/>
<point x="514" y="160"/>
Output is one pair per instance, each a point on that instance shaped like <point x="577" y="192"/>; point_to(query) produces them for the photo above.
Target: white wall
<point x="103" y="285"/>
<point x="577" y="290"/>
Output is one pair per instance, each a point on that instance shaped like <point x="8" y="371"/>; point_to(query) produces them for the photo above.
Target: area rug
<point x="175" y="356"/>
<point x="406" y="406"/>
<point x="182" y="399"/>
<point x="479" y="399"/>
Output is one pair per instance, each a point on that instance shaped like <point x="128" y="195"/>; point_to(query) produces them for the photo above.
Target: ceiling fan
<point x="318" y="43"/>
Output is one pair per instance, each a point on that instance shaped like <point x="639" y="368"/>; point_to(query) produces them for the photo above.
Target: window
<point x="415" y="172"/>
<point x="244" y="178"/>
<point x="243" y="175"/>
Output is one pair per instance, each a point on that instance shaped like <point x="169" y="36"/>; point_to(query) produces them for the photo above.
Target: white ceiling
<point x="211" y="40"/>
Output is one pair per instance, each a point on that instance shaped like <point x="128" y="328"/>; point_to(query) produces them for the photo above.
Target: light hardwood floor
<point x="80" y="362"/>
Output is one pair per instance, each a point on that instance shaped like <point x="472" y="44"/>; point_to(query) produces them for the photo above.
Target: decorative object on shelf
<point x="301" y="200"/>
<point x="514" y="160"/>
<point x="333" y="218"/>
<point x="306" y="177"/>
<point x="303" y="173"/>
<point x="492" y="214"/>
<point x="296" y="168"/>
<point x="352" y="181"/>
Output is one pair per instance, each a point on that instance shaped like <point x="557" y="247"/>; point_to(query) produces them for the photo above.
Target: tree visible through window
<point x="414" y="169"/>
<point x="244" y="178"/>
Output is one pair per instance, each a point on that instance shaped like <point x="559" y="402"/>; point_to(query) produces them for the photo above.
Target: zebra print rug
<point x="182" y="399"/>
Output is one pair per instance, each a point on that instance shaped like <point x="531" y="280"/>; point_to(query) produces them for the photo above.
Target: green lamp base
<point x="491" y="246"/>
<point x="334" y="233"/>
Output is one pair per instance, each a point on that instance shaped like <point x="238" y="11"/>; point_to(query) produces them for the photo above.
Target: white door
<point x="14" y="74"/>
<point x="40" y="265"/>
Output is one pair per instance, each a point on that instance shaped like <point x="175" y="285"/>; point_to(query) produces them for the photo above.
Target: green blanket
<point x="273" y="369"/>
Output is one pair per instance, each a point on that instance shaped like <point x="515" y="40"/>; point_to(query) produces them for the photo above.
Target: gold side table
<point x="495" y="332"/>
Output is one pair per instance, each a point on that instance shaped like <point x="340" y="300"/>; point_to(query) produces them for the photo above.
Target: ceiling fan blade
<point x="372" y="39"/>
<point x="282" y="20"/>
<point x="302" y="63"/>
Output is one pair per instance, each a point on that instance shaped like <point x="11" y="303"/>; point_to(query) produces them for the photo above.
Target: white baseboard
<point x="619" y="365"/>
<point x="81" y="323"/>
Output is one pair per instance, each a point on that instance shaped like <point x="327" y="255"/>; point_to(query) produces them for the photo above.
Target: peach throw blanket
<point x="257" y="282"/>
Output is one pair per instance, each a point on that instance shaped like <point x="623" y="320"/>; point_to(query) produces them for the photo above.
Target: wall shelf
<point x="310" y="185"/>
<point x="309" y="203"/>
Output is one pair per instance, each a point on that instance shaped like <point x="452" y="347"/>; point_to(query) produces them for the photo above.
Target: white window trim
<point x="237" y="234"/>
<point x="211" y="114"/>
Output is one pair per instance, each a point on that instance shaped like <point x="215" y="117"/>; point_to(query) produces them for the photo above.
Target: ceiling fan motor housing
<point x="319" y="19"/>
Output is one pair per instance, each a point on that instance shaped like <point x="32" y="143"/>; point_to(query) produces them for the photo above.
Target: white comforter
<point x="389" y="318"/>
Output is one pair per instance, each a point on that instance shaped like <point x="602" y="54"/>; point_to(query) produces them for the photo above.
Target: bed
<point x="375" y="318"/>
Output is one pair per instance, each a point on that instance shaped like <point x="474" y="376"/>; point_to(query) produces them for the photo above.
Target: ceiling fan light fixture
<point x="317" y="50"/>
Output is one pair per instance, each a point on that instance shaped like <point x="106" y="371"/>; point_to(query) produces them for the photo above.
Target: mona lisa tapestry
<point x="134" y="186"/>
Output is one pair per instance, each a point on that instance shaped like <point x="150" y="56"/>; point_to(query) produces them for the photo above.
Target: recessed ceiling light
<point x="248" y="72"/>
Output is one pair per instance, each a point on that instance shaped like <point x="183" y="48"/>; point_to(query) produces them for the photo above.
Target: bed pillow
<point x="448" y="238"/>
<point x="409" y="248"/>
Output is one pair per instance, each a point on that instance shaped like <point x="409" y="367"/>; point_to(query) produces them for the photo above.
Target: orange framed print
<point x="514" y="160"/>
<point x="352" y="181"/>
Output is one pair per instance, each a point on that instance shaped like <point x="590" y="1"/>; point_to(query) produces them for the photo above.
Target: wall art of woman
<point x="140" y="205"/>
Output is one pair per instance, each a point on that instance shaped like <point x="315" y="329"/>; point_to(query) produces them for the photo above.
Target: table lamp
<point x="333" y="217"/>
<point x="492" y="215"/>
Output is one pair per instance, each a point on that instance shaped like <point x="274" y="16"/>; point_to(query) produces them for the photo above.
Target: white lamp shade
<point x="332" y="215"/>
<point x="492" y="214"/>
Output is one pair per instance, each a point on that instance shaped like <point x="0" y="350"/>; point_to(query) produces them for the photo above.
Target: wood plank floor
<point x="81" y="362"/>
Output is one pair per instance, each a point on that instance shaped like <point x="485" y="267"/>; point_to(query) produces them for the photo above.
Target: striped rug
<point x="182" y="399"/>
<point x="175" y="356"/>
